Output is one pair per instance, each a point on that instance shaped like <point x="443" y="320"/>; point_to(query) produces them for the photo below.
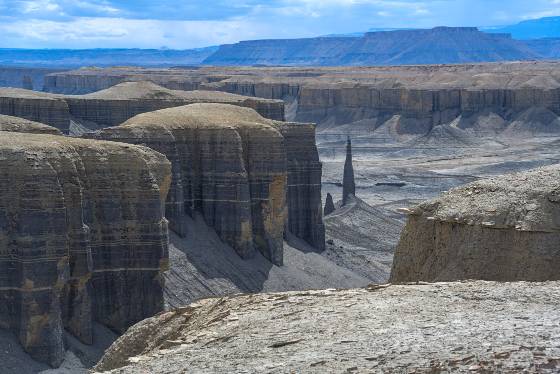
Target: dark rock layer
<point x="82" y="238"/>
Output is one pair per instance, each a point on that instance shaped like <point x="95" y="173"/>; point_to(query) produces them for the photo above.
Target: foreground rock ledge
<point x="502" y="229"/>
<point x="478" y="326"/>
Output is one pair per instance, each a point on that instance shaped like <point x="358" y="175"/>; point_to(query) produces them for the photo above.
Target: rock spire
<point x="329" y="205"/>
<point x="348" y="184"/>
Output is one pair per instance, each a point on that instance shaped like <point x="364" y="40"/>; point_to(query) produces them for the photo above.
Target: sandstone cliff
<point x="475" y="327"/>
<point x="228" y="163"/>
<point x="417" y="97"/>
<point x="82" y="238"/>
<point x="16" y="124"/>
<point x="113" y="106"/>
<point x="35" y="106"/>
<point x="504" y="229"/>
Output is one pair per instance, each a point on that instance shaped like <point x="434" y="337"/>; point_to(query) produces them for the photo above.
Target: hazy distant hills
<point x="433" y="46"/>
<point x="548" y="27"/>
<point x="532" y="40"/>
<point x="69" y="58"/>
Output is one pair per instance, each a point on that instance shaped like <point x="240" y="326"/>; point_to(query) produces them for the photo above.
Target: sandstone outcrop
<point x="475" y="327"/>
<point x="229" y="164"/>
<point x="16" y="124"/>
<point x="113" y="106"/>
<point x="247" y="175"/>
<point x="35" y="106"/>
<point x="505" y="228"/>
<point x="82" y="238"/>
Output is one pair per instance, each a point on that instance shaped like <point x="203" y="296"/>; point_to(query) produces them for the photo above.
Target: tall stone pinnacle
<point x="348" y="184"/>
<point x="329" y="205"/>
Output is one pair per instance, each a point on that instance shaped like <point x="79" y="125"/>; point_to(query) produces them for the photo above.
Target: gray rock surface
<point x="505" y="228"/>
<point x="477" y="327"/>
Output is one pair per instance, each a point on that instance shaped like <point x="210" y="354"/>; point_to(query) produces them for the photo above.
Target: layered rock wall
<point x="82" y="238"/>
<point x="35" y="106"/>
<point x="422" y="96"/>
<point x="504" y="229"/>
<point x="229" y="164"/>
<point x="305" y="218"/>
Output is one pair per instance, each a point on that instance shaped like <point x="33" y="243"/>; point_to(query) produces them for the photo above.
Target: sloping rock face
<point x="505" y="229"/>
<point x="229" y="164"/>
<point x="478" y="327"/>
<point x="35" y="106"/>
<point x="113" y="106"/>
<point x="15" y="124"/>
<point x="82" y="238"/>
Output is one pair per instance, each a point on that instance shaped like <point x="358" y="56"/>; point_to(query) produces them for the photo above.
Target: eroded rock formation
<point x="348" y="183"/>
<point x="110" y="107"/>
<point x="479" y="327"/>
<point x="82" y="238"/>
<point x="16" y="124"/>
<point x="113" y="106"/>
<point x="329" y="205"/>
<point x="504" y="228"/>
<point x="237" y="169"/>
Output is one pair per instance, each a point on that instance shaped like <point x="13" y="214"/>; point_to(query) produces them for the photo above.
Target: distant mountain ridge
<point x="548" y="27"/>
<point x="400" y="47"/>
<point x="531" y="40"/>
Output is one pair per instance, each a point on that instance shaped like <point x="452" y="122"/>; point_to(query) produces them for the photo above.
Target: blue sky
<point x="199" y="23"/>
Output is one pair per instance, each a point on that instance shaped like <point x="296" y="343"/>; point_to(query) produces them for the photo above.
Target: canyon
<point x="242" y="195"/>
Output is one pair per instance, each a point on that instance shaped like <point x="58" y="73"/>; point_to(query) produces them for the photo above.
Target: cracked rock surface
<point x="479" y="327"/>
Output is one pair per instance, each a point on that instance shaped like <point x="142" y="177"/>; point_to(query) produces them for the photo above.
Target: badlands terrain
<point x="416" y="130"/>
<point x="180" y="184"/>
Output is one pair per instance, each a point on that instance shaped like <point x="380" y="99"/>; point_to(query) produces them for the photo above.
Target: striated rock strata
<point x="16" y="124"/>
<point x="113" y="106"/>
<point x="474" y="327"/>
<point x="236" y="168"/>
<point x="505" y="229"/>
<point x="82" y="238"/>
<point x="35" y="106"/>
<point x="409" y="99"/>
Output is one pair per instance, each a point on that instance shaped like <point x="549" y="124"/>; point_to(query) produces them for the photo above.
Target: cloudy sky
<point x="199" y="23"/>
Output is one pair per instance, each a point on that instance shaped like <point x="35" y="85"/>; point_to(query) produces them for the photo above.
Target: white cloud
<point x="118" y="32"/>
